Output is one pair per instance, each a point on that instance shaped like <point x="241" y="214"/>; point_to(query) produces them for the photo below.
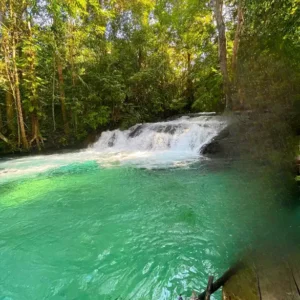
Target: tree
<point x="31" y="80"/>
<point x="218" y="10"/>
<point x="69" y="69"/>
<point x="12" y="26"/>
<point x="238" y="32"/>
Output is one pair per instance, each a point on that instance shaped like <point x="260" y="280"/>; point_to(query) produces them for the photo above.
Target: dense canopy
<point x="70" y="68"/>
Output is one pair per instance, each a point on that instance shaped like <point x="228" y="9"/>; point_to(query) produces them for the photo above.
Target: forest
<point x="73" y="68"/>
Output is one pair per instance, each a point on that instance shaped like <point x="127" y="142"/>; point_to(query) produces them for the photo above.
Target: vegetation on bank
<point x="69" y="68"/>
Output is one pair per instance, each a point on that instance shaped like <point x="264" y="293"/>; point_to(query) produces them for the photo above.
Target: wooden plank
<point x="275" y="281"/>
<point x="242" y="286"/>
<point x="294" y="265"/>
<point x="268" y="279"/>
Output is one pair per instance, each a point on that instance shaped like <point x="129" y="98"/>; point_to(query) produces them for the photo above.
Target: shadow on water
<point x="271" y="259"/>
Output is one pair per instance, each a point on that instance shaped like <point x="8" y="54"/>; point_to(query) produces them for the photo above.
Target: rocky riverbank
<point x="250" y="136"/>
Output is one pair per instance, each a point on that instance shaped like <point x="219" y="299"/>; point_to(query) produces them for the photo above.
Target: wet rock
<point x="213" y="147"/>
<point x="216" y="146"/>
<point x="171" y="129"/>
<point x="231" y="142"/>
<point x="111" y="141"/>
<point x="136" y="131"/>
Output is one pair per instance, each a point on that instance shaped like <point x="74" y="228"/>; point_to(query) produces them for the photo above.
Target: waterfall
<point x="186" y="134"/>
<point x="150" y="145"/>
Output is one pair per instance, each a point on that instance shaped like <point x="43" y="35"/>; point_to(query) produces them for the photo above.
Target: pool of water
<point x="80" y="230"/>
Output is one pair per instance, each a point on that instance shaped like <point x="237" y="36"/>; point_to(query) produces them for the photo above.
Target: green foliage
<point x="113" y="63"/>
<point x="97" y="118"/>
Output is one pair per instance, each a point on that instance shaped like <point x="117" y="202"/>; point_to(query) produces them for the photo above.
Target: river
<point x="138" y="215"/>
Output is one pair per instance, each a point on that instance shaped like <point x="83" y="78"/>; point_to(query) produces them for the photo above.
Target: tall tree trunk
<point x="59" y="43"/>
<point x="238" y="32"/>
<point x="53" y="96"/>
<point x="218" y="9"/>
<point x="10" y="111"/>
<point x="9" y="101"/>
<point x="189" y="84"/>
<point x="16" y="80"/>
<point x="72" y="53"/>
<point x="62" y="96"/>
<point x="1" y="119"/>
<point x="35" y="127"/>
<point x="7" y="53"/>
<point x="239" y="28"/>
<point x="20" y="110"/>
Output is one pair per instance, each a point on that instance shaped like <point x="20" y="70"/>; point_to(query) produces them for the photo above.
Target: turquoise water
<point x="82" y="231"/>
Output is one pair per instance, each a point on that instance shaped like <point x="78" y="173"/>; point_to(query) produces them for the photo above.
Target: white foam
<point x="186" y="135"/>
<point x="152" y="145"/>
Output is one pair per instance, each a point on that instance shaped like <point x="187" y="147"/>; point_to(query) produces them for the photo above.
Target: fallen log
<point x="209" y="287"/>
<point x="221" y="281"/>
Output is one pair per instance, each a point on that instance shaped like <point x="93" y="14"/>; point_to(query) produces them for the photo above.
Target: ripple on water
<point x="86" y="232"/>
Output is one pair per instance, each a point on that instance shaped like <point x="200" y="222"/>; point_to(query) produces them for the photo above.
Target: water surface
<point x="139" y="215"/>
<point x="82" y="231"/>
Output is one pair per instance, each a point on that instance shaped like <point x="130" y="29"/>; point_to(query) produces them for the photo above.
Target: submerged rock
<point x="136" y="131"/>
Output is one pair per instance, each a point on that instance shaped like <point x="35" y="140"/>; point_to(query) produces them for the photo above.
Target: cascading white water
<point x="182" y="135"/>
<point x="151" y="145"/>
<point x="162" y="144"/>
